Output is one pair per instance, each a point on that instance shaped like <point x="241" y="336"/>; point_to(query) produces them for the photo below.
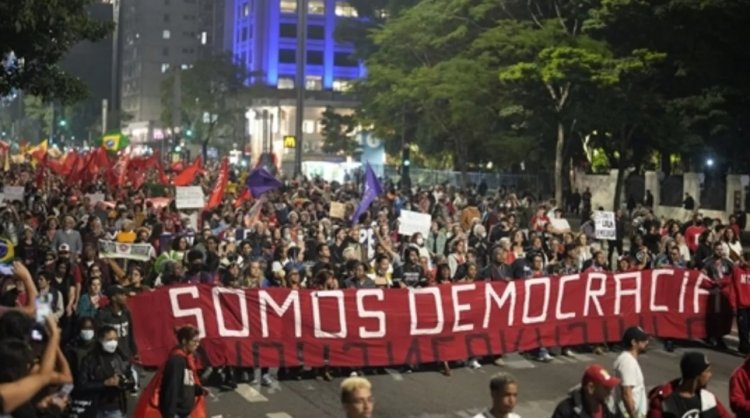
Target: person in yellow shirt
<point x="126" y="235"/>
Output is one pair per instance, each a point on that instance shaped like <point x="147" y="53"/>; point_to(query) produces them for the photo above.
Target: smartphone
<point x="64" y="391"/>
<point x="43" y="308"/>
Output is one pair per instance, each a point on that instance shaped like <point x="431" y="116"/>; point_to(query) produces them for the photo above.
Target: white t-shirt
<point x="626" y="367"/>
<point x="486" y="414"/>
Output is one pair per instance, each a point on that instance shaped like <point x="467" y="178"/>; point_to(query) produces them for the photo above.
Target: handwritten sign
<point x="410" y="222"/>
<point x="338" y="210"/>
<point x="604" y="225"/>
<point x="190" y="197"/>
<point x="13" y="193"/>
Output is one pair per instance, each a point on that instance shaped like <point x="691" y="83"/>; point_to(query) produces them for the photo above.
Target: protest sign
<point x="338" y="210"/>
<point x="13" y="193"/>
<point x="604" y="225"/>
<point x="113" y="249"/>
<point x="410" y="222"/>
<point x="190" y="197"/>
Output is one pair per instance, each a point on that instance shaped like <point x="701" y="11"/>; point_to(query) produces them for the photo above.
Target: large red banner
<point x="380" y="327"/>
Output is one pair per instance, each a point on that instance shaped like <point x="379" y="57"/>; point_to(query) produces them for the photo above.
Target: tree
<point x="34" y="37"/>
<point x="337" y="132"/>
<point x="213" y="99"/>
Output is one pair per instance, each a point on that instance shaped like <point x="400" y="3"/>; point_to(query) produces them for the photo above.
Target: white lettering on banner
<point x="367" y="314"/>
<point x="528" y="284"/>
<point x="620" y="292"/>
<point x="698" y="291"/>
<point x="559" y="315"/>
<point x="339" y="296"/>
<point x="223" y="330"/>
<point x="594" y="295"/>
<point x="461" y="307"/>
<point x="435" y="292"/>
<point x="178" y="312"/>
<point x="509" y="293"/>
<point x="654" y="285"/>
<point x="292" y="299"/>
<point x="683" y="290"/>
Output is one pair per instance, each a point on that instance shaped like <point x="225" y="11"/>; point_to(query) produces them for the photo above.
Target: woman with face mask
<point x="106" y="376"/>
<point x="75" y="352"/>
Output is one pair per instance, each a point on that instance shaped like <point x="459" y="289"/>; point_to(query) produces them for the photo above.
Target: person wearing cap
<point x="117" y="315"/>
<point x="590" y="398"/>
<point x="739" y="390"/>
<point x="68" y="235"/>
<point x="687" y="396"/>
<point x="504" y="393"/>
<point x="630" y="396"/>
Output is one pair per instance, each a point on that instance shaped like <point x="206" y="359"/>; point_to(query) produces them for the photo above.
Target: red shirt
<point x="739" y="390"/>
<point x="740" y="290"/>
<point x="692" y="234"/>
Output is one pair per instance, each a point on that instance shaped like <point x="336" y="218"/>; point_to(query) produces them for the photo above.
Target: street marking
<point x="520" y="363"/>
<point x="395" y="374"/>
<point x="278" y="415"/>
<point x="249" y="393"/>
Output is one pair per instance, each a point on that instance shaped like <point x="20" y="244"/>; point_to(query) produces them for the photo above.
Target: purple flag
<point x="261" y="181"/>
<point x="372" y="191"/>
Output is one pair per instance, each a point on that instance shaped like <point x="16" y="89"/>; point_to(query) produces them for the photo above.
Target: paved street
<point x="429" y="394"/>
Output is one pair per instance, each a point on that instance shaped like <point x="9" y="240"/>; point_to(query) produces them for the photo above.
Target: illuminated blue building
<point x="263" y="38"/>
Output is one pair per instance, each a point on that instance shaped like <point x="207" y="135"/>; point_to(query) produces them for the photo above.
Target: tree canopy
<point x="505" y="81"/>
<point x="34" y="37"/>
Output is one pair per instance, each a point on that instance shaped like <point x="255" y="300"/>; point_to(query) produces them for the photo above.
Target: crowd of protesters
<point x="291" y="238"/>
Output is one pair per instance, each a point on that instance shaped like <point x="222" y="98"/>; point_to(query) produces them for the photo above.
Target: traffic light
<point x="189" y="133"/>
<point x="63" y="123"/>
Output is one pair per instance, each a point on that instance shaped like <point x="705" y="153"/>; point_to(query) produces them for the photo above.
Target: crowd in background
<point x="291" y="238"/>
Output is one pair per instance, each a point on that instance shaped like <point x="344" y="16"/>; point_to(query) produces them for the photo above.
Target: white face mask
<point x="109" y="346"/>
<point x="87" y="334"/>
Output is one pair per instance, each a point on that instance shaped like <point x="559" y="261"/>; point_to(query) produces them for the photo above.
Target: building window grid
<point x="316" y="7"/>
<point x="344" y="9"/>
<point x="288" y="6"/>
<point x="313" y="82"/>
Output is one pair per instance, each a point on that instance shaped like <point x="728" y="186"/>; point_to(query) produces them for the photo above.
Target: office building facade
<point x="262" y="36"/>
<point x="157" y="36"/>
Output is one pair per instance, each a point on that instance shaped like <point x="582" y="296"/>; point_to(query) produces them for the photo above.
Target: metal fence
<point x="539" y="184"/>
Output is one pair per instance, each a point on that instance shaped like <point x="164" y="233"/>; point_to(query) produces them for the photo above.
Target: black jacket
<point x="97" y="367"/>
<point x="178" y="387"/>
<point x="123" y="323"/>
<point x="572" y="407"/>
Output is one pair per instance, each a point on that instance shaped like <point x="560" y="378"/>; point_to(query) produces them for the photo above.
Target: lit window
<point x="285" y="83"/>
<point x="166" y="34"/>
<point x="313" y="82"/>
<point x="186" y="66"/>
<point x="344" y="9"/>
<point x="288" y="6"/>
<point x="164" y="68"/>
<point x="342" y="85"/>
<point x="246" y="9"/>
<point x="316" y="7"/>
<point x="308" y="126"/>
<point x="204" y="38"/>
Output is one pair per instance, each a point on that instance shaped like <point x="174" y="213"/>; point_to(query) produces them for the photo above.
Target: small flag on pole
<point x="373" y="189"/>
<point x="115" y="141"/>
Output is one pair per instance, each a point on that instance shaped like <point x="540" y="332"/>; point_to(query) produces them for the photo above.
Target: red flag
<point x="221" y="184"/>
<point x="68" y="163"/>
<point x="39" y="180"/>
<point x="186" y="177"/>
<point x="122" y="174"/>
<point x="77" y="173"/>
<point x="99" y="161"/>
<point x="243" y="197"/>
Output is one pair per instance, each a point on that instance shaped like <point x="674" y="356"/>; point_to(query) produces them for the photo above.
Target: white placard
<point x="410" y="222"/>
<point x="190" y="197"/>
<point x="13" y="193"/>
<point x="604" y="225"/>
<point x="95" y="198"/>
<point x="560" y="225"/>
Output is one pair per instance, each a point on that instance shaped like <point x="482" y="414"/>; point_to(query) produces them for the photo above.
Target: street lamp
<point x="710" y="162"/>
